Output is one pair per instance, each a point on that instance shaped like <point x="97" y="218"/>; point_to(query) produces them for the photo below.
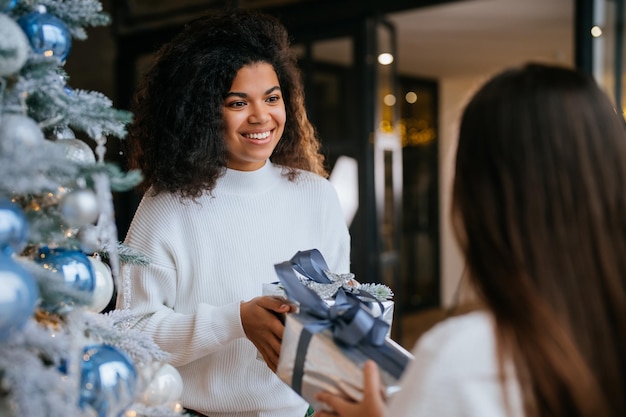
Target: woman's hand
<point x="262" y="322"/>
<point x="372" y="405"/>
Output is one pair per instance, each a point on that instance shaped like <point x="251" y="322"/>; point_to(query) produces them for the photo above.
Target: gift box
<point x="311" y="269"/>
<point x="325" y="345"/>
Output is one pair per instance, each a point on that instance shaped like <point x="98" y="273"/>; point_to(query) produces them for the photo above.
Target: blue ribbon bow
<point x="312" y="265"/>
<point x="349" y="320"/>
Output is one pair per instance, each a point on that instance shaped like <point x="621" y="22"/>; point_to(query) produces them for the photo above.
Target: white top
<point x="209" y="256"/>
<point x="455" y="374"/>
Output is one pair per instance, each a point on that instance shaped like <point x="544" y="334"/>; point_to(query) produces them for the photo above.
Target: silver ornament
<point x="19" y="134"/>
<point x="80" y="207"/>
<point x="14" y="46"/>
<point x="89" y="238"/>
<point x="165" y="387"/>
<point x="63" y="132"/>
<point x="103" y="291"/>
<point x="75" y="150"/>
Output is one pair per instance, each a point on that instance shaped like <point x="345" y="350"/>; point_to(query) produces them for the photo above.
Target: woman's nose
<point x="259" y="114"/>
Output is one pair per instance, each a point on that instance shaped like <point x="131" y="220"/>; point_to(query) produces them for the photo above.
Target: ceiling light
<point x="385" y="58"/>
<point x="596" y="31"/>
<point x="389" y="100"/>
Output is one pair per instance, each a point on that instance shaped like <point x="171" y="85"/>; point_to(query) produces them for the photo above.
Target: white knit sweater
<point x="455" y="373"/>
<point x="206" y="258"/>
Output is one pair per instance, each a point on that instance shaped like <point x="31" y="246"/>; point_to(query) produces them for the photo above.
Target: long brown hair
<point x="539" y="206"/>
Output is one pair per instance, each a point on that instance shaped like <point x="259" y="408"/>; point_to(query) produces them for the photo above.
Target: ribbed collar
<point x="248" y="182"/>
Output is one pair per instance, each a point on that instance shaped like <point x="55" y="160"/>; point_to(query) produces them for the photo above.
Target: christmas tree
<point x="60" y="354"/>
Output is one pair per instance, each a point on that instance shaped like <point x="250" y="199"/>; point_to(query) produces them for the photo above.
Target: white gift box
<point x="329" y="365"/>
<point x="337" y="328"/>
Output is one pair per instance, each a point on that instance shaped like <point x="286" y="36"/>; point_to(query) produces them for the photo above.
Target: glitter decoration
<point x="77" y="151"/>
<point x="326" y="291"/>
<point x="346" y="281"/>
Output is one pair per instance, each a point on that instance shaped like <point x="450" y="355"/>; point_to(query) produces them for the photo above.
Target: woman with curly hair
<point x="539" y="205"/>
<point x="234" y="183"/>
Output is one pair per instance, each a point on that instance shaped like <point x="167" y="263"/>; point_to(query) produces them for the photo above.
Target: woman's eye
<point x="236" y="104"/>
<point x="273" y="99"/>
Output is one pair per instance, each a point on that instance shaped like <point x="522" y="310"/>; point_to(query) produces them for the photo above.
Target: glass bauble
<point x="13" y="228"/>
<point x="108" y="380"/>
<point x="75" y="272"/>
<point x="48" y="35"/>
<point x="103" y="291"/>
<point x="165" y="387"/>
<point x="80" y="207"/>
<point x="18" y="298"/>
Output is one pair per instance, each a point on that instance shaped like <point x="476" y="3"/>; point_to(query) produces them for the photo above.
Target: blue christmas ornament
<point x="7" y="5"/>
<point x="48" y="35"/>
<point x="19" y="297"/>
<point x="73" y="265"/>
<point x="13" y="228"/>
<point x="108" y="380"/>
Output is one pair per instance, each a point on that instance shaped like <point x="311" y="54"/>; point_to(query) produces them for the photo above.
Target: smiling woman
<point x="235" y="183"/>
<point x="254" y="117"/>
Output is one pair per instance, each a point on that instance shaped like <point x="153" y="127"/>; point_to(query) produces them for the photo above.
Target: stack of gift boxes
<point x="339" y="324"/>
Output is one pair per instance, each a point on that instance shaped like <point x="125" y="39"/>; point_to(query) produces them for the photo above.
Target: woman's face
<point x="254" y="117"/>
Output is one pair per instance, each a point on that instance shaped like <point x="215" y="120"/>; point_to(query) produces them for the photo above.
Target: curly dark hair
<point x="176" y="138"/>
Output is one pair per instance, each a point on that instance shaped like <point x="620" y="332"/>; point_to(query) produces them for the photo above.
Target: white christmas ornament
<point x="19" y="133"/>
<point x="166" y="387"/>
<point x="80" y="207"/>
<point x="89" y="238"/>
<point x="103" y="291"/>
<point x="76" y="150"/>
<point x="63" y="132"/>
<point x="14" y="46"/>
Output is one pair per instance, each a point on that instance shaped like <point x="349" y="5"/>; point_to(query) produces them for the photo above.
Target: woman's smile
<point x="260" y="136"/>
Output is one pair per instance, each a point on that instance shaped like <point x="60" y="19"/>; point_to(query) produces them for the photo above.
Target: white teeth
<point x="258" y="135"/>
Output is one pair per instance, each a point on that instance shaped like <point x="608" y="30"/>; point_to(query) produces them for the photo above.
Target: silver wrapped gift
<point x="329" y="365"/>
<point x="326" y="343"/>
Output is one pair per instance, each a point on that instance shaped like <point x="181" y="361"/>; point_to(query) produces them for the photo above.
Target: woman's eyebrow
<point x="244" y="95"/>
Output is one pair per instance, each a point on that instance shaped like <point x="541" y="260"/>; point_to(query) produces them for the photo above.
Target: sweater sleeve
<point x="185" y="335"/>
